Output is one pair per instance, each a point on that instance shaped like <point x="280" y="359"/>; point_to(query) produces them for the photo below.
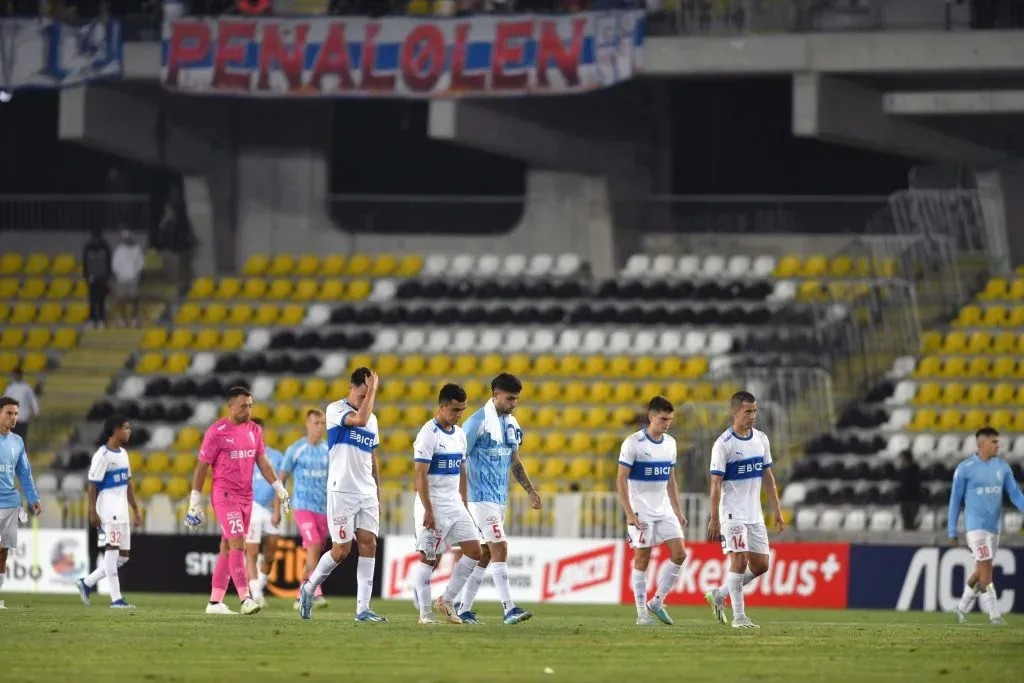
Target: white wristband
<point x="193" y="500"/>
<point x="279" y="488"/>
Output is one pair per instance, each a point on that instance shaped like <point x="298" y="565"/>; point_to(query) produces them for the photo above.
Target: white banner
<point x="42" y="53"/>
<point x="539" y="569"/>
<point x="47" y="561"/>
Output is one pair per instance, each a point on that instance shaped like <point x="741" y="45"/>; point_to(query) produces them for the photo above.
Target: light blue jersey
<point x="309" y="464"/>
<point x="262" y="492"/>
<point x="14" y="462"/>
<point x="487" y="461"/>
<point x="978" y="486"/>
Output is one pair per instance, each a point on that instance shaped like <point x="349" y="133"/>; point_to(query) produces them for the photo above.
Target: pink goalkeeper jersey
<point x="231" y="450"/>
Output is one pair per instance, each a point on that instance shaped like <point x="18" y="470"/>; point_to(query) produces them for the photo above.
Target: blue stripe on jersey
<point x="352" y="436"/>
<point x="446" y="464"/>
<point x="748" y="468"/>
<point x="112" y="479"/>
<point x="650" y="470"/>
<point x="718" y="472"/>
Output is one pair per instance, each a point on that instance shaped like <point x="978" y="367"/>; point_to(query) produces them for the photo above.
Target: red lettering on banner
<point x="288" y="59"/>
<point x="401" y="572"/>
<point x="372" y="81"/>
<point x="189" y="42"/>
<point x="332" y="60"/>
<point x="422" y="58"/>
<point x="508" y="49"/>
<point x="461" y="81"/>
<point x="800" y="575"/>
<point x="578" y="572"/>
<point x="231" y="49"/>
<point x="553" y="51"/>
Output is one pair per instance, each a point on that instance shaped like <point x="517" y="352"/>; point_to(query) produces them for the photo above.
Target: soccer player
<point x="978" y="485"/>
<point x="741" y="462"/>
<point x="308" y="459"/>
<point x="263" y="526"/>
<point x="353" y="493"/>
<point x="231" y="446"/>
<point x="493" y="438"/>
<point x="440" y="512"/>
<point x="111" y="494"/>
<point x="649" y="495"/>
<point x="13" y="462"/>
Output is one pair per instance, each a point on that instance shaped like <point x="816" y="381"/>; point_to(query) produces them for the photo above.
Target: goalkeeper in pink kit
<point x="232" y="446"/>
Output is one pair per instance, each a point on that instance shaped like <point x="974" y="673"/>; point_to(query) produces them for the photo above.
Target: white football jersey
<point x="650" y="464"/>
<point x="351" y="451"/>
<point x="741" y="462"/>
<point x="446" y="453"/>
<point x="110" y="472"/>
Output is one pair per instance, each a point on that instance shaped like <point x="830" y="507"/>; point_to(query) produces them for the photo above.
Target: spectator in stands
<point x="176" y="242"/>
<point x="96" y="258"/>
<point x="909" y="492"/>
<point x="127" y="264"/>
<point x="22" y="392"/>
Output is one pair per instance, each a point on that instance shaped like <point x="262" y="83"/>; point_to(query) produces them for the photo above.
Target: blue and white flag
<point x="43" y="53"/>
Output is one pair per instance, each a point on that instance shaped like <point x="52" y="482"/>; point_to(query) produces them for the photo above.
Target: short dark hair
<point x="258" y="421"/>
<point x="112" y="424"/>
<point x="451" y="392"/>
<point x="988" y="432"/>
<point x="741" y="397"/>
<point x="660" y="404"/>
<point x="17" y="374"/>
<point x="506" y="382"/>
<point x="314" y="411"/>
<point x="360" y="375"/>
<point x="8" y="401"/>
<point x="235" y="392"/>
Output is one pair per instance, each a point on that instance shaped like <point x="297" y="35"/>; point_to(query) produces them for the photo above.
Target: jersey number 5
<point x="497" y="530"/>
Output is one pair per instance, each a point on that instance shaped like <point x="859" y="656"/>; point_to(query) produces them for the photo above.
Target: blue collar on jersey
<point x="446" y="431"/>
<point x="742" y="438"/>
<point x="648" y="437"/>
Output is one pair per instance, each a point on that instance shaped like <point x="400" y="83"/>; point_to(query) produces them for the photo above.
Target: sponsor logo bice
<point x="579" y="572"/>
<point x="800" y="575"/>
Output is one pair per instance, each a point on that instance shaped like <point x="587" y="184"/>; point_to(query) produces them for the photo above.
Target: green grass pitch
<point x="169" y="638"/>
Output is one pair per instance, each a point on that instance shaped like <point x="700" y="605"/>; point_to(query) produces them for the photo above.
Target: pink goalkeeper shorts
<point x="233" y="513"/>
<point x="312" y="527"/>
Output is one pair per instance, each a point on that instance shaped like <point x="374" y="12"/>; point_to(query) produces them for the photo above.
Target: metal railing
<point x="52" y="212"/>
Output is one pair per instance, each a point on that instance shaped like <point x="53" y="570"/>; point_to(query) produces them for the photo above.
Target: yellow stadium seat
<point x="188" y="314"/>
<point x="389" y="390"/>
<point x="973" y="420"/>
<point x="360" y="360"/>
<point x="384" y="265"/>
<point x="596" y="417"/>
<point x="154" y="338"/>
<point x="554" y="442"/>
<point x="281" y="265"/>
<point x="396" y="466"/>
<point x="923" y="420"/>
<point x="415" y="416"/>
<point x="50" y="313"/>
<point x="332" y="266"/>
<point x="491" y="364"/>
<point x="229" y="289"/>
<point x="649" y="390"/>
<point x="419" y="390"/>
<point x="978" y="394"/>
<point x="5" y="311"/>
<point x="979" y="342"/>
<point x="292" y="315"/>
<point x="12" y="338"/>
<point x="1000" y="419"/>
<point x="574" y="392"/>
<point x="22" y="314"/>
<point x="412" y="365"/>
<point x="388" y="414"/>
<point x="996" y="288"/>
<point x="623" y="416"/>
<point x="261" y="411"/>
<point x="240" y="314"/>
<point x="287" y="389"/>
<point x="283" y="413"/>
<point x="695" y="366"/>
<point x="135" y="462"/>
<point x="1016" y="317"/>
<point x="332" y="290"/>
<point x="841" y="266"/>
<point x="206" y="339"/>
<point x="594" y="366"/>
<point x="464" y="365"/>
<point x="620" y="366"/>
<point x="177" y="363"/>
<point x="305" y="290"/>
<point x="64" y="338"/>
<point x="1016" y="292"/>
<point x="266" y="314"/>
<point x="969" y="315"/>
<point x="531" y="442"/>
<point x="580" y="442"/>
<point x="11" y="263"/>
<point x="1004" y="342"/>
<point x="399" y="441"/>
<point x="814" y="266"/>
<point x="36" y="264"/>
<point x="545" y="365"/>
<point x="545" y="417"/>
<point x="995" y="316"/>
<point x="581" y="468"/>
<point x="980" y="366"/>
<point x="625" y="393"/>
<point x="254" y="289"/>
<point x="178" y="487"/>
<point x="215" y="314"/>
<point x="953" y="393"/>
<point x="158" y="462"/>
<point x="63" y="265"/>
<point x="32" y="289"/>
<point x="955" y="342"/>
<point x="409" y="265"/>
<point x="256" y="265"/>
<point x="307" y="265"/>
<point x="359" y="264"/>
<point x="645" y="367"/>
<point x="314" y="390"/>
<point x="788" y="266"/>
<point x="279" y="289"/>
<point x="180" y="338"/>
<point x="553" y="467"/>
<point x="1003" y="394"/>
<point x="202" y="288"/>
<point x="149" y="487"/>
<point x="357" y="290"/>
<point x="571" y="417"/>
<point x="33" y="362"/>
<point x="928" y="393"/>
<point x="75" y="314"/>
<point x="231" y="340"/>
<point x="438" y="366"/>
<point x="518" y="364"/>
<point x="60" y="288"/>
<point x="600" y="392"/>
<point x="8" y="361"/>
<point x="1018" y="421"/>
<point x="950" y="420"/>
<point x="476" y="390"/>
<point x="677" y="392"/>
<point x="549" y="392"/>
<point x="37" y="338"/>
<point x="702" y="392"/>
<point x="150" y="363"/>
<point x="954" y="366"/>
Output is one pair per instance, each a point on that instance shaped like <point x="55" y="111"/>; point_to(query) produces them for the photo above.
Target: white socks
<point x="987" y="599"/>
<point x="323" y="569"/>
<point x="262" y="579"/>
<point x="968" y="598"/>
<point x="722" y="592"/>
<point x="421" y="587"/>
<point x="3" y="577"/>
<point x="364" y="583"/>
<point x="499" y="572"/>
<point x="476" y="579"/>
<point x="638" y="580"/>
<point x="460" y="575"/>
<point x="735" y="584"/>
<point x="96" y="575"/>
<point x="254" y="589"/>
<point x="666" y="580"/>
<point x="113" y="581"/>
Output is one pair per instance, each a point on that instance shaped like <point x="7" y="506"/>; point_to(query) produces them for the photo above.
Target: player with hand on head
<point x="231" y="446"/>
<point x="309" y="459"/>
<point x="353" y="493"/>
<point x="741" y="462"/>
<point x="493" y="438"/>
<point x="649" y="495"/>
<point x="440" y="512"/>
<point x="978" y="486"/>
<point x="13" y="463"/>
<point x="111" y="494"/>
<point x="263" y="526"/>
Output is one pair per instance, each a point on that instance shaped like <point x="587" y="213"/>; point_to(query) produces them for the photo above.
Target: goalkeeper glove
<point x="195" y="515"/>
<point x="282" y="495"/>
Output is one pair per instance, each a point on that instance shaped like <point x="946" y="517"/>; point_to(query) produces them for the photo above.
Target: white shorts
<point x="347" y="512"/>
<point x="983" y="544"/>
<point x="653" y="532"/>
<point x="490" y="520"/>
<point x="452" y="526"/>
<point x="260" y="525"/>
<point x="9" y="527"/>
<point x="738" y="537"/>
<point x="117" y="534"/>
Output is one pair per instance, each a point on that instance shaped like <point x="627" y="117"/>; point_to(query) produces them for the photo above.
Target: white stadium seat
<point x="542" y="341"/>
<point x="567" y="265"/>
<point x="923" y="446"/>
<point x="46" y="482"/>
<point x="517" y="341"/>
<point x="970" y="445"/>
<point x="719" y="343"/>
<point x="259" y="338"/>
<point x="385" y="342"/>
<point x="594" y="341"/>
<point x="203" y="363"/>
<point x="902" y="394"/>
<point x="488" y="265"/>
<point x="662" y="265"/>
<point x="383" y="290"/>
<point x="570" y="341"/>
<point x="51" y="515"/>
<point x="491" y="341"/>
<point x="263" y="387"/>
<point x="160" y="517"/>
<point x="438" y="340"/>
<point x="670" y="342"/>
<point x="688" y="266"/>
<point x="161" y="438"/>
<point x="413" y="341"/>
<point x="831" y="519"/>
<point x="881" y="520"/>
<point x="333" y="365"/>
<point x="784" y="290"/>
<point x="1018" y="447"/>
<point x="949" y="444"/>
<point x="637" y="265"/>
<point x="540" y="265"/>
<point x="645" y="342"/>
<point x="514" y="265"/>
<point x="464" y="340"/>
<point x="902" y="367"/>
<point x="763" y="266"/>
<point x="794" y="494"/>
<point x="738" y="266"/>
<point x="317" y="315"/>
<point x="619" y="341"/>
<point x="806" y="519"/>
<point x="898" y="419"/>
<point x="926" y="521"/>
<point x="855" y="520"/>
<point x="462" y="265"/>
<point x="897" y="444"/>
<point x="694" y="343"/>
<point x="435" y="265"/>
<point x="712" y="266"/>
<point x="206" y="412"/>
<point x="132" y="387"/>
<point x="73" y="483"/>
<point x="1012" y="522"/>
<point x="720" y="365"/>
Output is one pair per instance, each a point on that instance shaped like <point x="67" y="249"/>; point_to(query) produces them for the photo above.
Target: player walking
<point x="440" y="512"/>
<point x="978" y="485"/>
<point x="493" y="438"/>
<point x="649" y="495"/>
<point x="111" y="494"/>
<point x="308" y="459"/>
<point x="231" y="446"/>
<point x="13" y="463"/>
<point x="741" y="462"/>
<point x="263" y="526"/>
<point x="353" y="493"/>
